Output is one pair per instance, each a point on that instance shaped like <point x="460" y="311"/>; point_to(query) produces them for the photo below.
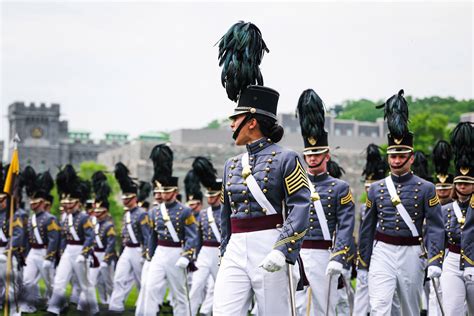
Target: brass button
<point x="329" y="205"/>
<point x="246" y="201"/>
<point x="269" y="160"/>
<point x="311" y="227"/>
<point x="311" y="220"/>
<point x="273" y="153"/>
<point x="381" y="197"/>
<point x="397" y="228"/>
<point x="264" y="210"/>
<point x="267" y="169"/>
<point x="415" y="197"/>
<point x="246" y="210"/>
<point x="333" y="183"/>
<point x="380" y="206"/>
<point x="290" y="250"/>
<point x="329" y="197"/>
<point x="264" y="190"/>
<point x="381" y="191"/>
<point x="265" y="179"/>
<point x="244" y="192"/>
<point x="329" y="214"/>
<point x="329" y="190"/>
<point x="293" y="242"/>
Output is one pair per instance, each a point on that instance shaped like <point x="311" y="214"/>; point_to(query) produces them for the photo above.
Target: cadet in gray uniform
<point x="102" y="276"/>
<point x="175" y="229"/>
<point x="80" y="243"/>
<point x="397" y="206"/>
<point x="331" y="214"/>
<point x="43" y="240"/>
<point x="457" y="285"/>
<point x="209" y="237"/>
<point x="13" y="242"/>
<point x="266" y="196"/>
<point x="135" y="234"/>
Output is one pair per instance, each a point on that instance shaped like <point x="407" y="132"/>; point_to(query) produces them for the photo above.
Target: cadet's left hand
<point x="433" y="272"/>
<point x="469" y="274"/>
<point x="182" y="262"/>
<point x="80" y="259"/>
<point x="274" y="261"/>
<point x="334" y="268"/>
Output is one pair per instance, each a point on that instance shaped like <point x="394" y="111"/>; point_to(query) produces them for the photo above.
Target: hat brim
<point x="463" y="179"/>
<point x="399" y="149"/>
<point x="237" y="113"/>
<point x="128" y="196"/>
<point x="165" y="189"/>
<point x="443" y="186"/>
<point x="315" y="150"/>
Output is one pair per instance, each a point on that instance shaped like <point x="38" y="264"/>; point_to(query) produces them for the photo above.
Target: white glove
<point x="3" y="258"/>
<point x="47" y="264"/>
<point x="182" y="262"/>
<point x="469" y="274"/>
<point x="334" y="268"/>
<point x="433" y="272"/>
<point x="103" y="265"/>
<point x="363" y="275"/>
<point x="274" y="261"/>
<point x="80" y="259"/>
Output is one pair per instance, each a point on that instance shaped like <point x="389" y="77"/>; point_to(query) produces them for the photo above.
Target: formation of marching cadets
<point x="277" y="234"/>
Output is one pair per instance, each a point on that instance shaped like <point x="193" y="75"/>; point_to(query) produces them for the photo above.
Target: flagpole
<point x="10" y="230"/>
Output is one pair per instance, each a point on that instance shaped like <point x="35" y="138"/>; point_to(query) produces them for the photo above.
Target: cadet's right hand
<point x="182" y="262"/>
<point x="469" y="274"/>
<point x="363" y="275"/>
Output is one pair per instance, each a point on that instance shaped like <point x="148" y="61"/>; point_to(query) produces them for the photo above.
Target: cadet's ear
<point x="252" y="123"/>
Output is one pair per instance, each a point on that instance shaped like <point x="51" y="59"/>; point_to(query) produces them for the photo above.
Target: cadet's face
<point x="464" y="188"/>
<point x="400" y="163"/>
<point x="158" y="197"/>
<point x="443" y="193"/>
<point x="213" y="200"/>
<point x="3" y="202"/>
<point x="196" y="207"/>
<point x="71" y="206"/>
<point x="169" y="196"/>
<point x="317" y="163"/>
<point x="242" y="138"/>
<point x="130" y="202"/>
<point x="37" y="205"/>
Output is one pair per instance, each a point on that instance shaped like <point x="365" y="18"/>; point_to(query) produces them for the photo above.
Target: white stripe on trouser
<point x="162" y="272"/>
<point x="240" y="277"/>
<point x="395" y="269"/>
<point x="129" y="266"/>
<point x="32" y="273"/>
<point x="66" y="268"/>
<point x="457" y="291"/>
<point x="315" y="262"/>
<point x="102" y="278"/>
<point x="207" y="264"/>
<point x="14" y="286"/>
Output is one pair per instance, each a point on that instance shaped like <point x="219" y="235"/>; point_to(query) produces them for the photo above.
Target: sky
<point x="152" y="66"/>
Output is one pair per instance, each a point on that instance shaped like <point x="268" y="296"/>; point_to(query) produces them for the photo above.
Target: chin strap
<point x="318" y="164"/>
<point x="244" y="121"/>
<point x="403" y="164"/>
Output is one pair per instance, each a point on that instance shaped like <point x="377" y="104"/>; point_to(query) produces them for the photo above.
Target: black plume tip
<point x="162" y="158"/>
<point x="420" y="165"/>
<point x="122" y="175"/>
<point x="144" y="190"/>
<point x="442" y="155"/>
<point x="205" y="171"/>
<point x="375" y="165"/>
<point x="462" y="142"/>
<point x="311" y="113"/>
<point x="396" y="114"/>
<point x="241" y="51"/>
<point x="192" y="186"/>
<point x="334" y="169"/>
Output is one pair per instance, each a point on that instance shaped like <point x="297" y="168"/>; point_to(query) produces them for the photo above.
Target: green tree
<point x="428" y="129"/>
<point x="214" y="124"/>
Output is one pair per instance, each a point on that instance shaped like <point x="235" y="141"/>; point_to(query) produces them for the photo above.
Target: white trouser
<point x="101" y="277"/>
<point x="129" y="264"/>
<point x="31" y="275"/>
<point x="240" y="277"/>
<point x="395" y="269"/>
<point x="361" y="296"/>
<point x="342" y="301"/>
<point x="141" y="296"/>
<point x="66" y="268"/>
<point x="75" y="291"/>
<point x="207" y="265"/>
<point x="14" y="287"/>
<point x="457" y="292"/>
<point x="315" y="262"/>
<point x="433" y="305"/>
<point x="206" y="306"/>
<point x="163" y="271"/>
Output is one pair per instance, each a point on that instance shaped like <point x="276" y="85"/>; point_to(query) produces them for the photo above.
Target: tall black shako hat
<point x="102" y="190"/>
<point x="310" y="111"/>
<point x="462" y="141"/>
<point x="400" y="139"/>
<point x="37" y="186"/>
<point x="192" y="187"/>
<point x="241" y="51"/>
<point x="70" y="187"/>
<point x="144" y="190"/>
<point x="207" y="174"/>
<point x="127" y="185"/>
<point x="375" y="165"/>
<point x="442" y="155"/>
<point x="162" y="158"/>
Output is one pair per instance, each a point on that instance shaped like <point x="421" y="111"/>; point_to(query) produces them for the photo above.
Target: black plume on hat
<point x="162" y="158"/>
<point x="462" y="141"/>
<point x="396" y="114"/>
<point x="334" y="169"/>
<point x="310" y="111"/>
<point x="144" y="190"/>
<point x="101" y="189"/>
<point x="205" y="171"/>
<point x="66" y="179"/>
<point x="375" y="166"/>
<point x="192" y="186"/>
<point x="28" y="178"/>
<point x="442" y="155"/>
<point x="241" y="51"/>
<point x="45" y="184"/>
<point x="420" y="166"/>
<point x="122" y="175"/>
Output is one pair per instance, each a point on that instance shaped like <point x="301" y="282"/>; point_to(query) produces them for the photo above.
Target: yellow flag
<point x="12" y="174"/>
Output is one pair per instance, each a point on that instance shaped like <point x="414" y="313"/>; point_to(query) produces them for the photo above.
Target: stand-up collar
<point x="258" y="145"/>
<point x="171" y="204"/>
<point x="403" y="178"/>
<point x="216" y="208"/>
<point x="318" y="178"/>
